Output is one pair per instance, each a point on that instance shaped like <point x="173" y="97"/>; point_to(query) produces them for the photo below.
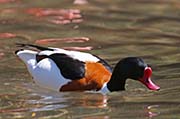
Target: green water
<point x="115" y="29"/>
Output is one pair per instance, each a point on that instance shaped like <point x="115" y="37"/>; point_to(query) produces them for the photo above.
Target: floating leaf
<point x="33" y="114"/>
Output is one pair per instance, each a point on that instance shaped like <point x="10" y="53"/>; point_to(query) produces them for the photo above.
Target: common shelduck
<point x="64" y="70"/>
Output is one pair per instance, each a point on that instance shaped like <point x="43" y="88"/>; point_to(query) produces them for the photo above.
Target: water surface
<point x="110" y="29"/>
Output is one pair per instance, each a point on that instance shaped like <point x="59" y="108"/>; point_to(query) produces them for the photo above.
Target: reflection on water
<point x="80" y="2"/>
<point x="7" y="35"/>
<point x="57" y="16"/>
<point x="7" y="1"/>
<point x="65" y="40"/>
<point x="152" y="111"/>
<point x="110" y="29"/>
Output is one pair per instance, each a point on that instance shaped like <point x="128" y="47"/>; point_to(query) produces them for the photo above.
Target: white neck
<point x="104" y="89"/>
<point x="29" y="58"/>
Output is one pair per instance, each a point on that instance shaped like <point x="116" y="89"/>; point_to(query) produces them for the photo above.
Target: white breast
<point x="47" y="74"/>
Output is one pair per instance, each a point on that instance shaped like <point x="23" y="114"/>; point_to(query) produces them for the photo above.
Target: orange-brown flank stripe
<point x="95" y="76"/>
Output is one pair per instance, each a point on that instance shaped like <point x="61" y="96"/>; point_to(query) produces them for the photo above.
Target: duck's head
<point x="131" y="68"/>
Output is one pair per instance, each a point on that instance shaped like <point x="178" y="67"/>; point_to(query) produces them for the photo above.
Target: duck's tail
<point x="33" y="46"/>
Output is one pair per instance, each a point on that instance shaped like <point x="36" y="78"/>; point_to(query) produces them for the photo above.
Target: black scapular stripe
<point x="103" y="62"/>
<point x="70" y="68"/>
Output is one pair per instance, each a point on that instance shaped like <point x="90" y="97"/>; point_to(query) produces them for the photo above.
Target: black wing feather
<point x="70" y="68"/>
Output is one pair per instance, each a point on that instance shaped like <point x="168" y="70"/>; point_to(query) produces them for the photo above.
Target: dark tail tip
<point x="18" y="51"/>
<point x="20" y="44"/>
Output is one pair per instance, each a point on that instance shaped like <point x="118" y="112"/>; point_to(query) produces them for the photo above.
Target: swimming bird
<point x="65" y="70"/>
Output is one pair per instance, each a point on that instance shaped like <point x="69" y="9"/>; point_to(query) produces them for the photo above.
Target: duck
<point x="67" y="70"/>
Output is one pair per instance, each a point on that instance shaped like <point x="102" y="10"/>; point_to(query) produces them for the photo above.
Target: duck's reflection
<point x="76" y="105"/>
<point x="88" y="105"/>
<point x="152" y="111"/>
<point x="92" y="101"/>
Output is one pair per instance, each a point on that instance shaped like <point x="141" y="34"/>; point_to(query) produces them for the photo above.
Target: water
<point x="110" y="29"/>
